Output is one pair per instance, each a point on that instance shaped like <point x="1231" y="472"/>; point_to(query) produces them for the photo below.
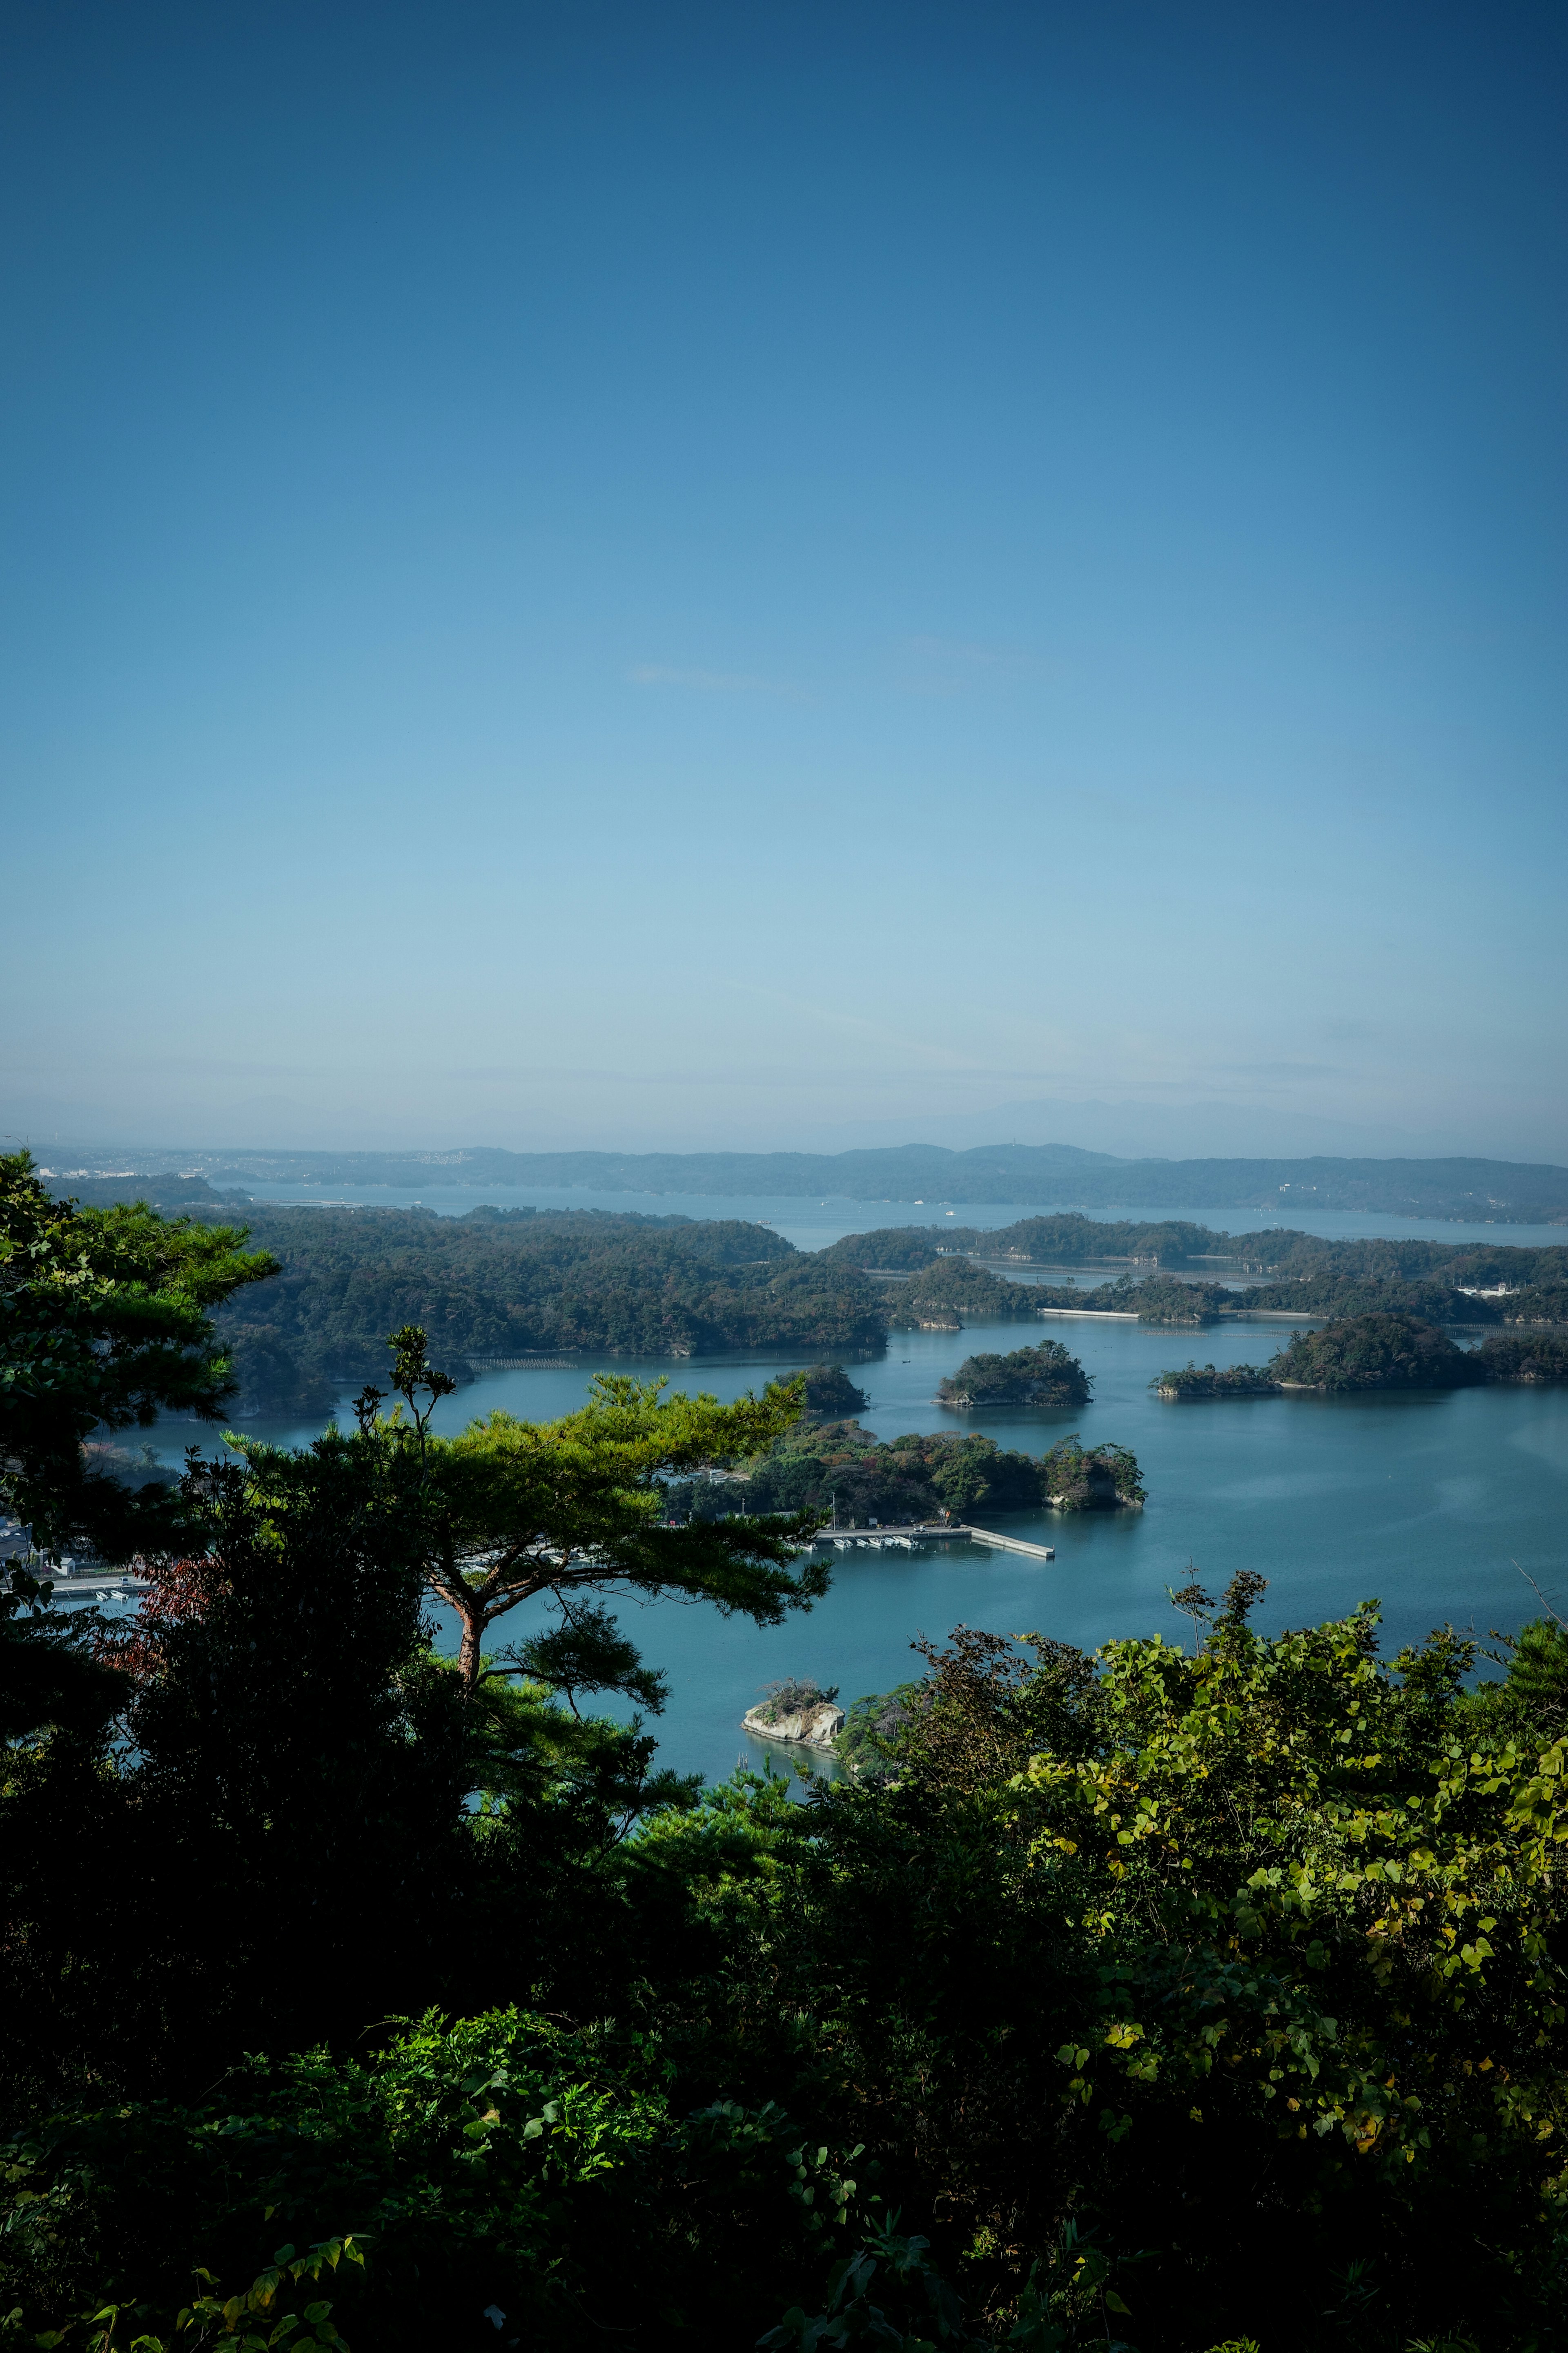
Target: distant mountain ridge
<point x="1057" y="1175"/>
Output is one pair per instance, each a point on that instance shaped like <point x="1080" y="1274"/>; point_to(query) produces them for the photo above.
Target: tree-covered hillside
<point x="1369" y="1352"/>
<point x="1524" y="1356"/>
<point x="1441" y="1281"/>
<point x="1281" y="1254"/>
<point x="502" y="1283"/>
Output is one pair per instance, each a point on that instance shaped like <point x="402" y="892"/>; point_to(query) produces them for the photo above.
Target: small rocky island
<point x="1190" y="1380"/>
<point x="1163" y="1300"/>
<point x="1079" y="1478"/>
<point x="797" y="1710"/>
<point x="1046" y="1376"/>
<point x="831" y="1395"/>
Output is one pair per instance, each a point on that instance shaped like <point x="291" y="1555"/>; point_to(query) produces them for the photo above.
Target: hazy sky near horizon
<point x="749" y="573"/>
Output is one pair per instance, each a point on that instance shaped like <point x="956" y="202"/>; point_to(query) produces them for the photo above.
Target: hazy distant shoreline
<point x="1479" y="1191"/>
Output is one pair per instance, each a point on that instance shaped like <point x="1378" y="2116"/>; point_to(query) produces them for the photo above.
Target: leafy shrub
<point x="484" y="2164"/>
<point x="871" y="1726"/>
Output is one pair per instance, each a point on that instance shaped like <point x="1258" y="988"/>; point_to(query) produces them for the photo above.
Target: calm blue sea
<point x="1433" y="1505"/>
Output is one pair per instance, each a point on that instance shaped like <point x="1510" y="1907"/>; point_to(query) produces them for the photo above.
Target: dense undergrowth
<point x="1186" y="1994"/>
<point x="1243" y="1965"/>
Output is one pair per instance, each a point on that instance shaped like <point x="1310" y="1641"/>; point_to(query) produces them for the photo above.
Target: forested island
<point x="830" y="1394"/>
<point x="1046" y="1376"/>
<point x="840" y="1472"/>
<point x="1521" y="1356"/>
<point x="1067" y="1240"/>
<point x="1079" y="1478"/>
<point x="952" y="1286"/>
<point x="1190" y="1380"/>
<point x="1206" y="1991"/>
<point x="1376" y="1351"/>
<point x="499" y="1284"/>
<point x="1279" y="1252"/>
<point x="1299" y="1273"/>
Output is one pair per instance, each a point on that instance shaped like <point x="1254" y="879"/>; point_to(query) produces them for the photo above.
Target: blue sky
<point x="740" y="574"/>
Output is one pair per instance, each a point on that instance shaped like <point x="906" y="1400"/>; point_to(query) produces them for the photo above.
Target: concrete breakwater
<point x="891" y="1537"/>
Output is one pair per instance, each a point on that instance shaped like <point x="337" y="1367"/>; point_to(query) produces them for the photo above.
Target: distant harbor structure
<point x="520" y="1364"/>
<point x="875" y="1537"/>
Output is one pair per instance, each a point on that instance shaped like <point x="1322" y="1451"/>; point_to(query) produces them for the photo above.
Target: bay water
<point x="1440" y="1506"/>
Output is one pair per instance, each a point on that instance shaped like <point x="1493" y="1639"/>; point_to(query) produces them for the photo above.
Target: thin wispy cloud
<point x="710" y="681"/>
<point x="951" y="665"/>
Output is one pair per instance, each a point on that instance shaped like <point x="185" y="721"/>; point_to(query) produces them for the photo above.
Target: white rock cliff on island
<point x="816" y="1727"/>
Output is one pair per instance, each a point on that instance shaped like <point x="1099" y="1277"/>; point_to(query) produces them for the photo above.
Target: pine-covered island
<point x="1373" y="1352"/>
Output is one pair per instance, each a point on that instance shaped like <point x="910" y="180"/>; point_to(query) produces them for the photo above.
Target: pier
<point x="1010" y="1544"/>
<point x="1094" y="1314"/>
<point x="904" y="1539"/>
<point x="117" y="1583"/>
<point x="522" y="1364"/>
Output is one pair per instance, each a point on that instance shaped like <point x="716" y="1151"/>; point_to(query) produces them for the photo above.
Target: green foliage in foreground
<point x="1126" y="1988"/>
<point x="483" y="2166"/>
<point x="872" y="1725"/>
<point x="106" y="1315"/>
<point x="104" y="1320"/>
<point x="575" y="1508"/>
<point x="1166" y="1999"/>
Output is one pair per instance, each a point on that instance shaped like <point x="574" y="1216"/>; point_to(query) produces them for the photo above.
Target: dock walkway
<point x="121" y="1581"/>
<point x="904" y="1539"/>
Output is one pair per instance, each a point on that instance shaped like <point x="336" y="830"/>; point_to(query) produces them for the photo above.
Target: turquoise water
<point x="1426" y="1501"/>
